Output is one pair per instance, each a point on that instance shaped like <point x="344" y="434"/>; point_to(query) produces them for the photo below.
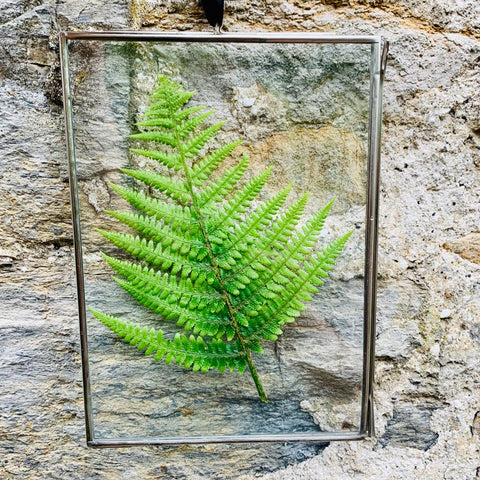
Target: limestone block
<point x="468" y="247"/>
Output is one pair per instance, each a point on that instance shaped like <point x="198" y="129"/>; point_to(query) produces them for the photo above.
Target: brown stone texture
<point x="468" y="247"/>
<point x="427" y="391"/>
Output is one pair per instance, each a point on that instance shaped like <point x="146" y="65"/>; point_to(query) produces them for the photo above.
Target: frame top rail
<point x="262" y="37"/>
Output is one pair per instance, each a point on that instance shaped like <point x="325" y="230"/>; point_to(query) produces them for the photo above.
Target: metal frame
<point x="377" y="69"/>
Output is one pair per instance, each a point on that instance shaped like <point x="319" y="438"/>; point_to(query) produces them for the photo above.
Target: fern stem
<point x="216" y="269"/>
<point x="248" y="355"/>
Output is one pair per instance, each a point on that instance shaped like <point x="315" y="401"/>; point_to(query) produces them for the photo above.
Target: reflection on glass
<point x="300" y="108"/>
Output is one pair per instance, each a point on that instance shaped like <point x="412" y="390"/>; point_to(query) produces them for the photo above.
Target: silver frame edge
<point x="371" y="236"/>
<point x="318" y="438"/>
<point x="77" y="238"/>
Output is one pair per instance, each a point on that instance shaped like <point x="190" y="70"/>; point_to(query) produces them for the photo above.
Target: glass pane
<point x="300" y="108"/>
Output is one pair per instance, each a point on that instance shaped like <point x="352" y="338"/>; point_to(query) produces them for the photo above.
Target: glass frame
<point x="379" y="49"/>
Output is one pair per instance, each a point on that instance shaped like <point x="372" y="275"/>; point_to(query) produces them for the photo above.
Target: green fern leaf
<point x="173" y="188"/>
<point x="187" y="127"/>
<point x="284" y="307"/>
<point x="164" y="258"/>
<point x="245" y="232"/>
<point x="191" y="352"/>
<point x="203" y="169"/>
<point x="163" y="137"/>
<point x="230" y="274"/>
<point x="235" y="207"/>
<point x="217" y="189"/>
<point x="169" y="160"/>
<point x="195" y="144"/>
<point x="175" y="215"/>
<point x="164" y="234"/>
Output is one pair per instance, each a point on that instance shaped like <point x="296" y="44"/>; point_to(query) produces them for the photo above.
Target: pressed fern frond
<point x="230" y="274"/>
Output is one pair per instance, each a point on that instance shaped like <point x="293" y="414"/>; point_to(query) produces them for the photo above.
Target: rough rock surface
<point x="427" y="391"/>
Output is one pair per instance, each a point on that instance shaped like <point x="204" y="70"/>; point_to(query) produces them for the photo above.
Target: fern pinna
<point x="226" y="272"/>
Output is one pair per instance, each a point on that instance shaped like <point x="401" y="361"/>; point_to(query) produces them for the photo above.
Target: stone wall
<point x="427" y="392"/>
